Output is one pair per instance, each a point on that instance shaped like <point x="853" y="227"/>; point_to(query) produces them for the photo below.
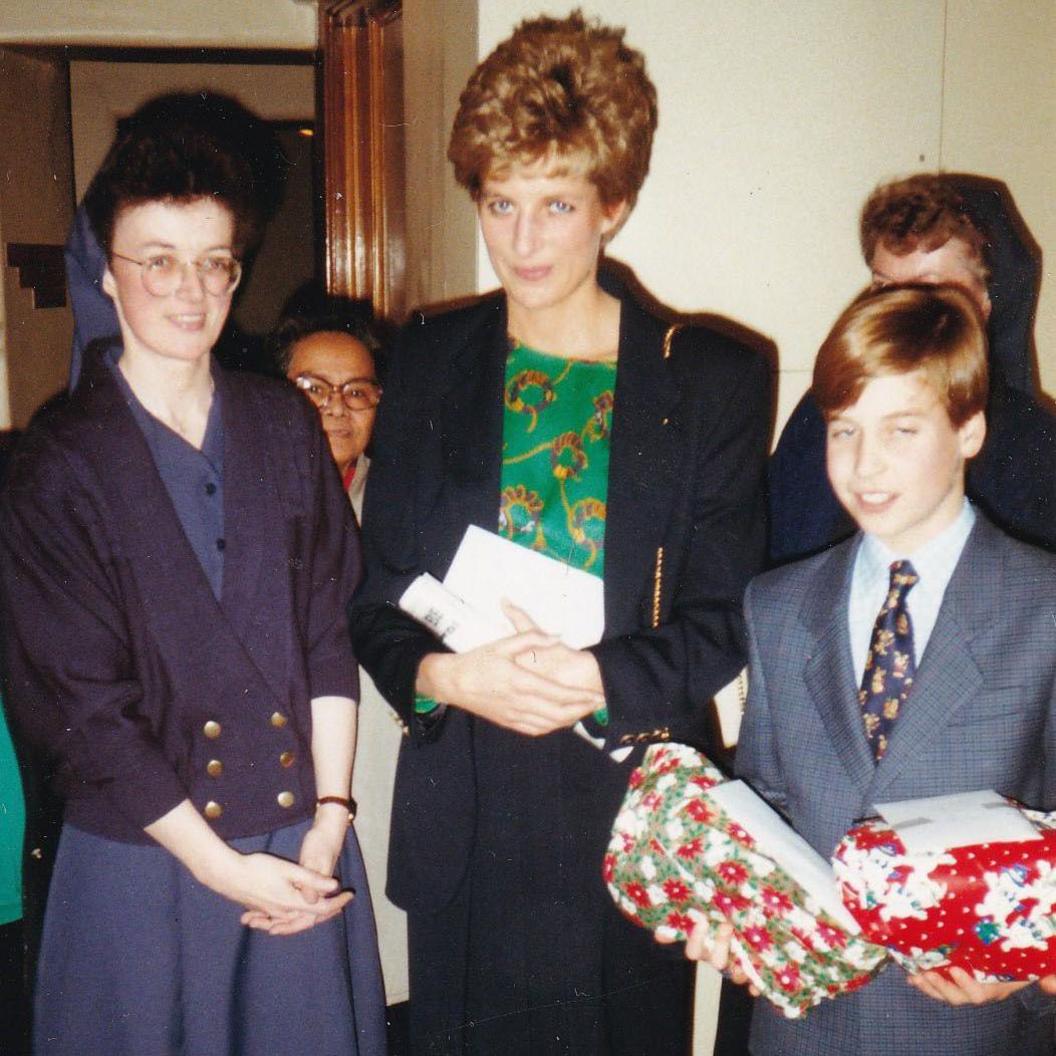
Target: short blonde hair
<point x="899" y="329"/>
<point x="566" y="90"/>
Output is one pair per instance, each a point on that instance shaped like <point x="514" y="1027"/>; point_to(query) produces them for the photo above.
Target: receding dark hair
<point x="900" y="329"/>
<point x="309" y="311"/>
<point x="566" y="90"/>
<point x="185" y="146"/>
<point x="920" y="212"/>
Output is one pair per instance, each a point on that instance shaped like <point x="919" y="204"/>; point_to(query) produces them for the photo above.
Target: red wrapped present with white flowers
<point x="938" y="898"/>
<point x="689" y="846"/>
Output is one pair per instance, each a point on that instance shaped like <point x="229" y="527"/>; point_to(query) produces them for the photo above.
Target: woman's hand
<point x="954" y="986"/>
<point x="320" y="850"/>
<point x="274" y="888"/>
<point x="270" y="888"/>
<point x="493" y="683"/>
<point x="322" y="843"/>
<point x="575" y="668"/>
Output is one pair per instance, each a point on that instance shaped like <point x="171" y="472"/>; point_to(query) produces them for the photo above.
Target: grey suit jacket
<point x="981" y="715"/>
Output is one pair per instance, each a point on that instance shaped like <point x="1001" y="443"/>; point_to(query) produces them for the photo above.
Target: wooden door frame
<point x="360" y="237"/>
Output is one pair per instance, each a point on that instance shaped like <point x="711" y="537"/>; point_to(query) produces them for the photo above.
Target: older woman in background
<point x="331" y="356"/>
<point x="573" y="422"/>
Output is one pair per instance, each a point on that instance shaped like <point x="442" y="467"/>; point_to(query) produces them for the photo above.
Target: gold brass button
<point x="214" y="768"/>
<point x="213" y="810"/>
<point x="278" y="720"/>
<point x="285" y="799"/>
<point x="286" y="759"/>
<point x="211" y="729"/>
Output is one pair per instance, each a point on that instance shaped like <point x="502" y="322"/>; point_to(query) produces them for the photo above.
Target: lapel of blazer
<point x="183" y="609"/>
<point x="828" y="670"/>
<point x="145" y="519"/>
<point x="646" y="462"/>
<point x="471" y="409"/>
<point x="254" y="526"/>
<point x="948" y="676"/>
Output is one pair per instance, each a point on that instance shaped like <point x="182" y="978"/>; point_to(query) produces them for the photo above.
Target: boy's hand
<point x="713" y="947"/>
<point x="955" y="987"/>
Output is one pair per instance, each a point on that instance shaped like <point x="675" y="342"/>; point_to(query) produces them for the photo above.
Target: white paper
<point x="940" y="823"/>
<point x="455" y="623"/>
<point x="560" y="599"/>
<point x="775" y="838"/>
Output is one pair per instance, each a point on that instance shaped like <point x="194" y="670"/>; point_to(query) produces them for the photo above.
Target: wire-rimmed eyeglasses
<point x="162" y="273"/>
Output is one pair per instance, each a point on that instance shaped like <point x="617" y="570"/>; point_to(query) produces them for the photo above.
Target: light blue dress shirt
<point x="934" y="563"/>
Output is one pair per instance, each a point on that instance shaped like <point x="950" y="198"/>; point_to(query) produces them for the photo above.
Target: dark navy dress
<point x="138" y="958"/>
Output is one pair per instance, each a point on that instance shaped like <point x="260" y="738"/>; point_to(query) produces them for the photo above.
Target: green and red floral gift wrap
<point x="676" y="857"/>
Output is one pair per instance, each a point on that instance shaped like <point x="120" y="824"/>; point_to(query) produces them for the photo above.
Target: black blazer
<point x="684" y="533"/>
<point x="119" y="659"/>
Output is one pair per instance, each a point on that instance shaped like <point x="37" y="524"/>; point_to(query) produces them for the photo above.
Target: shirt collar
<point x="935" y="559"/>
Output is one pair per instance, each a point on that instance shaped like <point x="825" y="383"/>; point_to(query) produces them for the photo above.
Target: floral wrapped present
<point x="988" y="907"/>
<point x="684" y="851"/>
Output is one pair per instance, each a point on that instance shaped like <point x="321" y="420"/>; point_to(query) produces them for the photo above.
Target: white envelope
<point x="560" y="599"/>
<point x="939" y="823"/>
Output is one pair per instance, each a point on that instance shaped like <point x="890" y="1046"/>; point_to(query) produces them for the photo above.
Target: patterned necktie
<point x="889" y="666"/>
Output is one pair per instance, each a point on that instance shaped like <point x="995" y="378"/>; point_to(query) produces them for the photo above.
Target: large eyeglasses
<point x="357" y="394"/>
<point x="163" y="273"/>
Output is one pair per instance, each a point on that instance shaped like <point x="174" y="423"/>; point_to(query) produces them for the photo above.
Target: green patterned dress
<point x="555" y="455"/>
<point x="557" y="420"/>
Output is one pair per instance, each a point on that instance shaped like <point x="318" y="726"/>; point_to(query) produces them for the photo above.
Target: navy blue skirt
<point x="139" y="959"/>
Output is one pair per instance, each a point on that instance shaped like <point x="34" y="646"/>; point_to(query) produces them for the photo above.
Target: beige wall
<point x="208" y="23"/>
<point x="1000" y="120"/>
<point x="777" y="119"/>
<point x="35" y="207"/>
<point x="440" y="51"/>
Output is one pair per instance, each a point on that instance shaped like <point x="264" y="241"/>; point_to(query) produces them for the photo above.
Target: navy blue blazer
<point x="686" y="474"/>
<point x="120" y="661"/>
<point x="982" y="714"/>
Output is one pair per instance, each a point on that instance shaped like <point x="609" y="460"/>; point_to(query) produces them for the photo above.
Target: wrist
<point x="215" y="865"/>
<point x="335" y="811"/>
<point x="430" y="680"/>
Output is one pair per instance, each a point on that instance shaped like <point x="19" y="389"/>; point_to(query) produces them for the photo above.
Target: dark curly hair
<point x="184" y="146"/>
<point x="309" y="310"/>
<point x="920" y="212"/>
<point x="568" y="90"/>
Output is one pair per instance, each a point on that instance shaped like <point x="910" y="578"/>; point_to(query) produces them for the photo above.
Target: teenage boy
<point x="949" y="627"/>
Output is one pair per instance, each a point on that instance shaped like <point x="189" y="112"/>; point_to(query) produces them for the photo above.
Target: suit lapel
<point x="184" y="613"/>
<point x="252" y="513"/>
<point x="646" y="462"/>
<point x="146" y="519"/>
<point x="829" y="671"/>
<point x="471" y="409"/>
<point x="948" y="676"/>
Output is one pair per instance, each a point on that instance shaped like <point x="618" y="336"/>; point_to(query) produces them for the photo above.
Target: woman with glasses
<point x="176" y="554"/>
<point x="571" y="421"/>
<point x="331" y="355"/>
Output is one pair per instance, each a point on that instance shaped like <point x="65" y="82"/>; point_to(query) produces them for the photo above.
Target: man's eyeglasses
<point x="162" y="274"/>
<point x="357" y="394"/>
